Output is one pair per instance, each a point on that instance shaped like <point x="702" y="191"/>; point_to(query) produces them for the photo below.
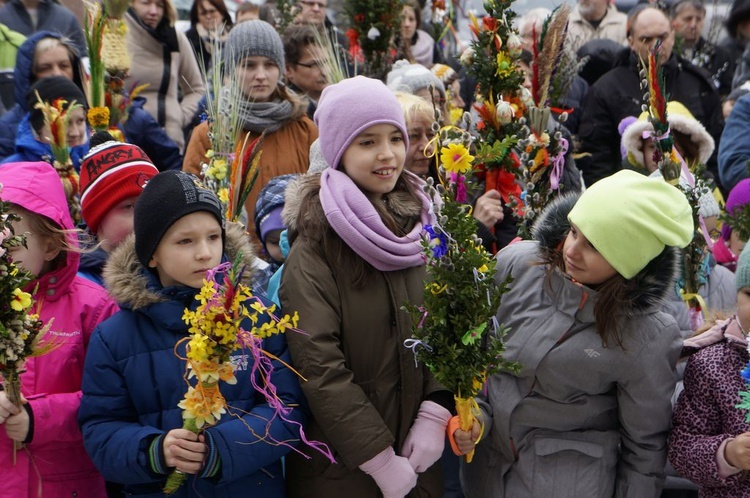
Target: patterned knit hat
<point x="269" y="205"/>
<point x="169" y="196"/>
<point x="742" y="275"/>
<point x="412" y="78"/>
<point x="253" y="38"/>
<point x="348" y="108"/>
<point x="446" y="73"/>
<point x="110" y="173"/>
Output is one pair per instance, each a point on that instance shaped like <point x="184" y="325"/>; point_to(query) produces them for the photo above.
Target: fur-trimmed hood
<point x="648" y="289"/>
<point x="302" y="202"/>
<point x="132" y="285"/>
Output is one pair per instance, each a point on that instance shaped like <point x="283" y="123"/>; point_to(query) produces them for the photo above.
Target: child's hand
<point x="737" y="451"/>
<point x="467" y="440"/>
<point x="184" y="451"/>
<point x="17" y="426"/>
<point x="7" y="408"/>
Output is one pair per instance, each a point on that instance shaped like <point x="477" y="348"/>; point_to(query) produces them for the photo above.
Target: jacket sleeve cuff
<point x="212" y="465"/>
<point x="724" y="467"/>
<point x="30" y="433"/>
<point x="156" y="456"/>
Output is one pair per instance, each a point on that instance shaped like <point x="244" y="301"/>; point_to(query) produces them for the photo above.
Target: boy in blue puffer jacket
<point x="133" y="377"/>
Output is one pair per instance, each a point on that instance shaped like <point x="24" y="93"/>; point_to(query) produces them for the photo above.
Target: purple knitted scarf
<point x="355" y="220"/>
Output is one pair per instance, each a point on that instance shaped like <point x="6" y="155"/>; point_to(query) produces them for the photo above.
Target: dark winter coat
<point x="705" y="414"/>
<point x="580" y="419"/>
<point x="23" y="78"/>
<point x="133" y="381"/>
<point x="618" y="94"/>
<point x="52" y="17"/>
<point x="363" y="386"/>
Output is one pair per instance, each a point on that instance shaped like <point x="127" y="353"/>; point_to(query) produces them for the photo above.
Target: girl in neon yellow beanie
<point x="589" y="410"/>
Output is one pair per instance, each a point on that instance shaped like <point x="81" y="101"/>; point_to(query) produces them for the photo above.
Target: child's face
<point x="76" y="134"/>
<point x="648" y="155"/>
<point x="736" y="244"/>
<point x="190" y="248"/>
<point x="743" y="308"/>
<point x="37" y="256"/>
<point x="117" y="224"/>
<point x="420" y="134"/>
<point x="272" y="245"/>
<point x="375" y="158"/>
<point x="583" y="262"/>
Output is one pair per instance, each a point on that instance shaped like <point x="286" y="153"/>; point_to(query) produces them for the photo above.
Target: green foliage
<point x="455" y="330"/>
<point x="374" y="24"/>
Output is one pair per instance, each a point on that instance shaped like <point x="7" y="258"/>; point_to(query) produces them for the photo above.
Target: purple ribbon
<point x="558" y="163"/>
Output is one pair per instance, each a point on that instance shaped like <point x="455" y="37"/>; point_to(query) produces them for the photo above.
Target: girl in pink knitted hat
<point x="355" y="258"/>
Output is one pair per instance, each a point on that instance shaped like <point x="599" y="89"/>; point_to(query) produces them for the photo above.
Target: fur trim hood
<point x="632" y="137"/>
<point x="129" y="283"/>
<point x="302" y="203"/>
<point x="648" y="289"/>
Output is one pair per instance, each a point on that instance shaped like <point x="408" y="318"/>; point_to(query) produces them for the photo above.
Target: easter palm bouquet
<point x="455" y="333"/>
<point x="217" y="328"/>
<point x="21" y="330"/>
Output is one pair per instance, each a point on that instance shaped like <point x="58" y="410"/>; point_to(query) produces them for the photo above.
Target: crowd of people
<point x="621" y="389"/>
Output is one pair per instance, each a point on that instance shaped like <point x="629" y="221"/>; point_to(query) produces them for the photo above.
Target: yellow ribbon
<point x="687" y="297"/>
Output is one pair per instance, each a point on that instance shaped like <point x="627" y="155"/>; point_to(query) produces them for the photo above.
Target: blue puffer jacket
<point x="23" y="78"/>
<point x="133" y="381"/>
<point x="734" y="148"/>
<point x="29" y="149"/>
<point x="142" y="130"/>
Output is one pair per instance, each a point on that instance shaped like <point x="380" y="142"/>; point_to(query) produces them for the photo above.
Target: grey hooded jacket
<point x="580" y="419"/>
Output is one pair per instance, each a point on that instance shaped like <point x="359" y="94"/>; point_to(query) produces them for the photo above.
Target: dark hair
<point x="612" y="295"/>
<point x="220" y="6"/>
<point x="296" y="38"/>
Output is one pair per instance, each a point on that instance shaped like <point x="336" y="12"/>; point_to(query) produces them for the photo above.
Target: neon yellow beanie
<point x="629" y="218"/>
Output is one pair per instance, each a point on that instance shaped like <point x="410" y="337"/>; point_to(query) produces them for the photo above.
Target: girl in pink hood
<point x="52" y="462"/>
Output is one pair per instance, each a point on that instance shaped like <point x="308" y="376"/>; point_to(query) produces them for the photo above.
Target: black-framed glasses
<point x="310" y="65"/>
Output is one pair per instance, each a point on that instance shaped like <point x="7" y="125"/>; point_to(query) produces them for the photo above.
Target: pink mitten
<point x="426" y="439"/>
<point x="393" y="474"/>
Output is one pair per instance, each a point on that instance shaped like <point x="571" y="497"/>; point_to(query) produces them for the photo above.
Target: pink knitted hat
<point x="348" y="108"/>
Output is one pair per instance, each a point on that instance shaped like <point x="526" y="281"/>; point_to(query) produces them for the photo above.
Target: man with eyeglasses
<point x="618" y="94"/>
<point x="314" y="12"/>
<point x="303" y="56"/>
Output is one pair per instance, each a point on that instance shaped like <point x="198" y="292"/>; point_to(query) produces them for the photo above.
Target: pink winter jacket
<point x="54" y="464"/>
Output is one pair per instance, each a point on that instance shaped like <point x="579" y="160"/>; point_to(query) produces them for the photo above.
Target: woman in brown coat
<point x="255" y="51"/>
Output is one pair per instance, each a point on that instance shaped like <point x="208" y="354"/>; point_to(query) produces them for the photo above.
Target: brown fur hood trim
<point x="127" y="283"/>
<point x="302" y="201"/>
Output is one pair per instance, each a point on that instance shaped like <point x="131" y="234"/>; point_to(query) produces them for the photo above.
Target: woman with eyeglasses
<point x="210" y="23"/>
<point x="254" y="54"/>
<point x="163" y="58"/>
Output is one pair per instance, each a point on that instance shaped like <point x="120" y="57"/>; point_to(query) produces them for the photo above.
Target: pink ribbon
<point x="558" y="163"/>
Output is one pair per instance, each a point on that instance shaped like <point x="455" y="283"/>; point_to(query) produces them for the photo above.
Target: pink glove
<point x="426" y="439"/>
<point x="393" y="474"/>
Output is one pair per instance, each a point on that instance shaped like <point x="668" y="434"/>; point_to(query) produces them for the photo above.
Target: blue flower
<point x="438" y="241"/>
<point x="746" y="374"/>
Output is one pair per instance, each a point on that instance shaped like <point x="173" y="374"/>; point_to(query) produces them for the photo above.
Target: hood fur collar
<point x="646" y="290"/>
<point x="128" y="283"/>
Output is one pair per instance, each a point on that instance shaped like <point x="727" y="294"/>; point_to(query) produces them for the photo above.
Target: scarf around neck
<point x="258" y="117"/>
<point x="353" y="217"/>
<point x="164" y="33"/>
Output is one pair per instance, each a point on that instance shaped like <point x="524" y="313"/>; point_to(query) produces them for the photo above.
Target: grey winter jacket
<point x="580" y="419"/>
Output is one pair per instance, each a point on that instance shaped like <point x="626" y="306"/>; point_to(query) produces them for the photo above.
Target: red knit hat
<point x="110" y="173"/>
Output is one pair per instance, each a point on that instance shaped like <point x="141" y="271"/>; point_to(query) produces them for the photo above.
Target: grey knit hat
<point x="742" y="275"/>
<point x="411" y="78"/>
<point x="254" y="38"/>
